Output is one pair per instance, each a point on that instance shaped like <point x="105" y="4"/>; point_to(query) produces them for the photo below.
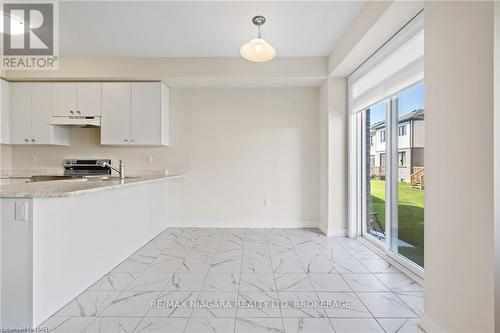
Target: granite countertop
<point x="27" y="173"/>
<point x="73" y="187"/>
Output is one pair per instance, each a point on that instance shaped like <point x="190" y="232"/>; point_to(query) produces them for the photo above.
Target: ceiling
<point x="200" y="29"/>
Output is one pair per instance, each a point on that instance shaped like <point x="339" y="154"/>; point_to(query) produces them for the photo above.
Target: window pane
<point x="408" y="239"/>
<point x="374" y="152"/>
<point x="402" y="130"/>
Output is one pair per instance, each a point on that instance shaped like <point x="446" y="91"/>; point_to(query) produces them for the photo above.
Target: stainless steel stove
<point x="81" y="168"/>
<point x="75" y="168"/>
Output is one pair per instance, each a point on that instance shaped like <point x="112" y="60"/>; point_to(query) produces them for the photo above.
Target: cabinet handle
<point x="133" y="141"/>
<point x="71" y="111"/>
<point x="32" y="140"/>
<point x="125" y="140"/>
<point x="26" y="140"/>
<point x="78" y="112"/>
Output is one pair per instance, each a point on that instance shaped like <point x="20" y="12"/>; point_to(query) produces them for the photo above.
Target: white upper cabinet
<point x="132" y="113"/>
<point x="148" y="114"/>
<point x="76" y="99"/>
<point x="135" y="113"/>
<point x="88" y="98"/>
<point x="4" y="112"/>
<point x="115" y="121"/>
<point x="31" y="106"/>
<point x="64" y="98"/>
<point x="41" y="108"/>
<point x="20" y="105"/>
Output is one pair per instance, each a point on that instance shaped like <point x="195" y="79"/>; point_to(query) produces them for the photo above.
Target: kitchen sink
<point x="100" y="178"/>
<point x="45" y="178"/>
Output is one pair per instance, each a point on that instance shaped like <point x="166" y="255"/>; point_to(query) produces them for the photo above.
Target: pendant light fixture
<point x="258" y="49"/>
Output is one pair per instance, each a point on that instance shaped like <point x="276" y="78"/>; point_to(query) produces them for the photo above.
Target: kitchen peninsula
<point x="59" y="237"/>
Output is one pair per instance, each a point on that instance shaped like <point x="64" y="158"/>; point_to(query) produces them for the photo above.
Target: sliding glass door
<point x="408" y="222"/>
<point x="390" y="165"/>
<point x="373" y="161"/>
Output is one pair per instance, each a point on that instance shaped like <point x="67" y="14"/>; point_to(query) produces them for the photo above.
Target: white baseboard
<point x="323" y="229"/>
<point x="244" y="224"/>
<point x="332" y="233"/>
<point x="337" y="233"/>
<point x="429" y="325"/>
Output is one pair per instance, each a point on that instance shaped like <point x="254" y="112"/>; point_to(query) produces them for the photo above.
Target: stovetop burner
<point x="80" y="168"/>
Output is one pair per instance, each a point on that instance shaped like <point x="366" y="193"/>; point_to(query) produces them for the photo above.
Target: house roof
<point x="414" y="115"/>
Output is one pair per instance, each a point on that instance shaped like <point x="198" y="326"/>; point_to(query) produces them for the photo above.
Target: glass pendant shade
<point x="258" y="50"/>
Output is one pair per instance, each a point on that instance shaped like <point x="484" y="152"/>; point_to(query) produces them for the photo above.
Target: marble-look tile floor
<point x="198" y="280"/>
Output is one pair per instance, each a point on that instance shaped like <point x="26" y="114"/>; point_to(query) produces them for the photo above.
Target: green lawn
<point x="410" y="217"/>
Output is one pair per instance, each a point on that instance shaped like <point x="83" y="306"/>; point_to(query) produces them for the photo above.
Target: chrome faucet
<point x="120" y="170"/>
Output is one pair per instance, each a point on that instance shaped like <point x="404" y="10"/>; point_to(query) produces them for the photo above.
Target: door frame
<point x="356" y="187"/>
<point x="496" y="160"/>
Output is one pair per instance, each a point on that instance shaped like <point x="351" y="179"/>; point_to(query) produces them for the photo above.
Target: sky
<point x="408" y="100"/>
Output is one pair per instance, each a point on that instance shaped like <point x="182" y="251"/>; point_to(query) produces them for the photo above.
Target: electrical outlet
<point x="21" y="211"/>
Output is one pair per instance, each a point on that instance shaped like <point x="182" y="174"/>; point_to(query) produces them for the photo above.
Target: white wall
<point x="496" y="194"/>
<point x="338" y="156"/>
<point x="188" y="72"/>
<point x="236" y="148"/>
<point x="5" y="157"/>
<point x="333" y="157"/>
<point x="459" y="289"/>
<point x="323" y="129"/>
<point x="375" y="24"/>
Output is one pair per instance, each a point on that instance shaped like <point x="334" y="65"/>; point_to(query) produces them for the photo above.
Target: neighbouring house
<point x="411" y="132"/>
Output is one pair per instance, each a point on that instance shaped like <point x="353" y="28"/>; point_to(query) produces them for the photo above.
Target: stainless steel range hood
<point x="81" y="121"/>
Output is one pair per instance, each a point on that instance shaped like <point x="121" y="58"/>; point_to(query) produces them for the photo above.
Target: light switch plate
<point x="21" y="213"/>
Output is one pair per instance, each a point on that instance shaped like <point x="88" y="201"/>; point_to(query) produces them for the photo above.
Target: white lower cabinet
<point x="31" y="108"/>
<point x="135" y="113"/>
<point x="48" y="261"/>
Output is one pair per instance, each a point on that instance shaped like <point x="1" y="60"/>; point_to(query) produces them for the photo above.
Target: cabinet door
<point x="115" y="121"/>
<point x="88" y="98"/>
<point x="20" y="113"/>
<point x="145" y="128"/>
<point x="64" y="98"/>
<point x="4" y="112"/>
<point x="41" y="109"/>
